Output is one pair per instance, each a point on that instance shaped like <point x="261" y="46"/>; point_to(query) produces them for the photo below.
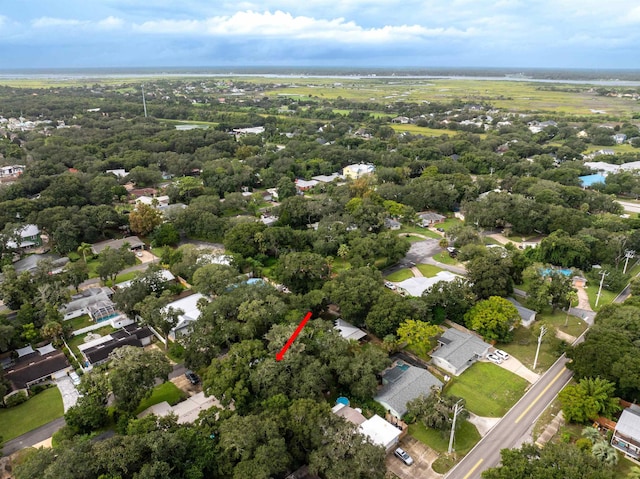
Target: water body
<point x="629" y="78"/>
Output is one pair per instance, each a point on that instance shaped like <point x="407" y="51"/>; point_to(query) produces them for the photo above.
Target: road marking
<point x="473" y="469"/>
<point x="540" y="395"/>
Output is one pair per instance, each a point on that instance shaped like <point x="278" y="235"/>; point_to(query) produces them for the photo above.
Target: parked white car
<point x="75" y="379"/>
<point x="501" y="354"/>
<point x="403" y="456"/>
<point x="494" y="359"/>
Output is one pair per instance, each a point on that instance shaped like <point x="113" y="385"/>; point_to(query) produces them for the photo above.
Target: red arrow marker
<point x="280" y="354"/>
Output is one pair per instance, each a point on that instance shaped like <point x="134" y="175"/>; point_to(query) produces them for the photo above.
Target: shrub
<point x="176" y="351"/>
<point x="15" y="399"/>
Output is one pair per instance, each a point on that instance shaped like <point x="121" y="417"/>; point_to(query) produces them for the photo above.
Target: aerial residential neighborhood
<point x="276" y="283"/>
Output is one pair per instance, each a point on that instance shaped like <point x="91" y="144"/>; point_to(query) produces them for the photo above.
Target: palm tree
<point x="605" y="453"/>
<point x="572" y="297"/>
<point x="83" y="249"/>
<point x="443" y="243"/>
<point x="634" y="473"/>
<point x="592" y="434"/>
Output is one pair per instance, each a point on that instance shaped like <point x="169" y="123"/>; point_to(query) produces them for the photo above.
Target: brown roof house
<point x="35" y="366"/>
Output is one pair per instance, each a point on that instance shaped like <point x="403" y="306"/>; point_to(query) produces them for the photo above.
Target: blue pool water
<point x="591" y="180"/>
<point x="547" y="271"/>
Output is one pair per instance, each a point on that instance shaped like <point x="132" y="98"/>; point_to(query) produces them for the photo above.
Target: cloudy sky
<point x="368" y="33"/>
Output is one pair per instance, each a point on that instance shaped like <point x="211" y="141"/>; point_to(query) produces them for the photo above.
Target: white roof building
<point x="348" y="330"/>
<point x="191" y="313"/>
<point x="417" y="286"/>
<point x="381" y="432"/>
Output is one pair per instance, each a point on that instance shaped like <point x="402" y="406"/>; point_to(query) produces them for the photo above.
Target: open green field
<point x="624" y="148"/>
<point x="503" y="94"/>
<point x="423" y="130"/>
<point x="189" y="122"/>
<point x="465" y="438"/>
<point x="37" y="411"/>
<point x="166" y="391"/>
<point x="488" y="389"/>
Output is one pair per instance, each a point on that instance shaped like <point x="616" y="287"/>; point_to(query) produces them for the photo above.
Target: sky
<point x="331" y="33"/>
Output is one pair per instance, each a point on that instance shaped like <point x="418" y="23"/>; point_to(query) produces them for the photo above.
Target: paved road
<point x="32" y="437"/>
<point x="511" y="431"/>
<point x="631" y="207"/>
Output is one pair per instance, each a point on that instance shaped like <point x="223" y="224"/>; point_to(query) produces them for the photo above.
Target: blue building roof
<point x="590" y="180"/>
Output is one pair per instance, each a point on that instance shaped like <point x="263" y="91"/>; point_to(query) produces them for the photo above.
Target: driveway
<point x="515" y="366"/>
<point x="146" y="256"/>
<point x="422" y="456"/>
<point x="69" y="392"/>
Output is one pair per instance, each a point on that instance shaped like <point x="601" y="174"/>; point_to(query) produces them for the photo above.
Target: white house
<point x="458" y="350"/>
<point x="357" y="170"/>
<point x="190" y="314"/>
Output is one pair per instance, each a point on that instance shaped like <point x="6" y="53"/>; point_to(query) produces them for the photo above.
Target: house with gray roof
<point x="457" y="350"/>
<point x="527" y="316"/>
<point x="402" y="383"/>
<point x="626" y="436"/>
<point x="133" y="241"/>
<point x="429" y="218"/>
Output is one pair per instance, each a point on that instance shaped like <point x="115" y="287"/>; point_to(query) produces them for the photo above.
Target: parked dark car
<point x="192" y="377"/>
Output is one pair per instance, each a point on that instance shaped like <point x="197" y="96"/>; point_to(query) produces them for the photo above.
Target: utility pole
<point x="456" y="410"/>
<point x="144" y="102"/>
<point x="603" y="273"/>
<point x="543" y="331"/>
<point x="628" y="255"/>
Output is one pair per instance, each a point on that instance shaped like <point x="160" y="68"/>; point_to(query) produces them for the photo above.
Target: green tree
<point x="346" y="289"/>
<point x="87" y="415"/>
<point x="302" y="272"/>
<point x="286" y="188"/>
<point x="112" y="261"/>
<point x="76" y="272"/>
<point x="132" y="375"/>
<point x="493" y="318"/>
<point x="154" y="311"/>
<point x="554" y="461"/>
<point x="144" y="219"/>
<point x="84" y="249"/>
<point x="52" y="330"/>
<point x="214" y="279"/>
<point x="165" y="234"/>
<point x="489" y="275"/>
<point x="449" y="300"/>
<point x="590" y="398"/>
<point x="418" y="334"/>
<point x="435" y="410"/>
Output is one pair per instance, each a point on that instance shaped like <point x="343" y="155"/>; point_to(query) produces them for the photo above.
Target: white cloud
<point x="284" y="25"/>
<point x="49" y="22"/>
<point x="110" y="23"/>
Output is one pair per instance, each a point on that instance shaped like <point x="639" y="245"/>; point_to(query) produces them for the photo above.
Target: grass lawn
<point x="575" y="327"/>
<point x="606" y="297"/>
<point x="488" y="389"/>
<point x="158" y="251"/>
<point x="80" y="322"/>
<point x="420" y="231"/>
<point x="449" y="223"/>
<point x="167" y="391"/>
<point x="340" y="265"/>
<point x="428" y="270"/>
<point x="446" y="259"/>
<point x="524" y="344"/>
<point x="466" y="437"/>
<point x="76" y="341"/>
<point x="400" y="275"/>
<point x="121" y="278"/>
<point x="92" y="266"/>
<point x="37" y="411"/>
